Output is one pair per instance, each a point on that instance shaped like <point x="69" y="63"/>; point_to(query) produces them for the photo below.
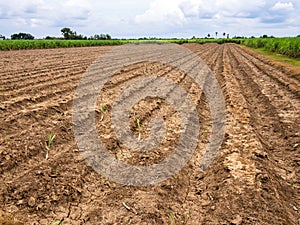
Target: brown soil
<point x="253" y="180"/>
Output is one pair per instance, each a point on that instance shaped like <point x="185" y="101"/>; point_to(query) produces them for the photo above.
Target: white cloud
<point x="283" y="6"/>
<point x="186" y="11"/>
<point x="160" y="18"/>
<point x="195" y="15"/>
<point x="37" y="12"/>
<point x="166" y="11"/>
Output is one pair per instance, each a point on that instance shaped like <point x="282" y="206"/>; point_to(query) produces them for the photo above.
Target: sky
<point x="151" y="18"/>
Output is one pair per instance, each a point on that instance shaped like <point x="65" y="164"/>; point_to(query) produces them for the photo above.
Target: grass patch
<point x="279" y="57"/>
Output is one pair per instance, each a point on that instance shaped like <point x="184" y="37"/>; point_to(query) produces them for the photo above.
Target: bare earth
<point x="254" y="179"/>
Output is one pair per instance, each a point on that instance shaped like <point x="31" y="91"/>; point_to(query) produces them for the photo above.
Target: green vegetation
<point x="284" y="46"/>
<point x="22" y="36"/>
<point x="48" y="144"/>
<point x="52" y="43"/>
<point x="72" y="35"/>
<point x="289" y="46"/>
<point x="279" y="57"/>
<point x="138" y="125"/>
<point x="172" y="219"/>
<point x="139" y="128"/>
<point x="103" y="109"/>
<point x="57" y="223"/>
<point x="41" y="44"/>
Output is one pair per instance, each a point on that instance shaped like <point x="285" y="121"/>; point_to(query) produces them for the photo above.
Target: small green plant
<point x="103" y="109"/>
<point x="292" y="185"/>
<point x="57" y="223"/>
<point x="7" y="138"/>
<point x="171" y="216"/>
<point x="48" y="144"/>
<point x="186" y="217"/>
<point x="139" y="128"/>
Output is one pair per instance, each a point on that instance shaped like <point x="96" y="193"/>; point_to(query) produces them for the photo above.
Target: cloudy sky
<point x="149" y="18"/>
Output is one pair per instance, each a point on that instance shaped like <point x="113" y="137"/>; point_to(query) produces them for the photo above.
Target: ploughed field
<point x="254" y="178"/>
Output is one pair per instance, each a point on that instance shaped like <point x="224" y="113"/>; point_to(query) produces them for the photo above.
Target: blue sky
<point x="145" y="18"/>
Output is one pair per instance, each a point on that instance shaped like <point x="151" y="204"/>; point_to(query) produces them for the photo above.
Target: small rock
<point x="31" y="201"/>
<point x="237" y="221"/>
<point x="20" y="202"/>
<point x="261" y="154"/>
<point x="43" y="221"/>
<point x="263" y="178"/>
<point x="200" y="176"/>
<point x="40" y="206"/>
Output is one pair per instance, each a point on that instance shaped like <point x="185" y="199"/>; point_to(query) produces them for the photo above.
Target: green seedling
<point x="292" y="185"/>
<point x="173" y="222"/>
<point x="119" y="155"/>
<point x="57" y="223"/>
<point x="103" y="109"/>
<point x="48" y="144"/>
<point x="186" y="217"/>
<point x="206" y="132"/>
<point x="139" y="128"/>
<point x="7" y="138"/>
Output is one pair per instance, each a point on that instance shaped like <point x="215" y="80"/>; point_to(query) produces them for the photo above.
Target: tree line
<point x="67" y="33"/>
<point x="72" y="35"/>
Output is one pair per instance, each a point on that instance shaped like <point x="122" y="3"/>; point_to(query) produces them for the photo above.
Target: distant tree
<point x="264" y="36"/>
<point x="239" y="37"/>
<point x="22" y="36"/>
<point x="67" y="33"/>
<point x="101" y="37"/>
<point x="208" y="35"/>
<point x="72" y="35"/>
<point x="224" y="34"/>
<point x="216" y="34"/>
<point x="49" y="38"/>
<point x="227" y="35"/>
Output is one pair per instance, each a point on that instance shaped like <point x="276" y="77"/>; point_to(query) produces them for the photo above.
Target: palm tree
<point x="216" y="34"/>
<point x="224" y="34"/>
